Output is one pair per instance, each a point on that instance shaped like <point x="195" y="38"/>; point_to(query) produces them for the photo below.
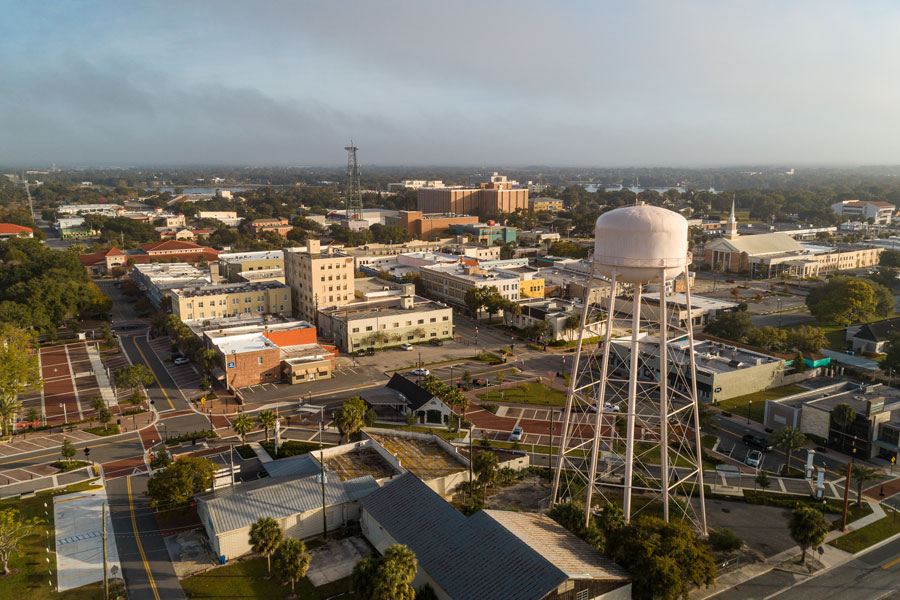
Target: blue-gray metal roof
<point x="292" y="466"/>
<point x="281" y="498"/>
<point x="474" y="558"/>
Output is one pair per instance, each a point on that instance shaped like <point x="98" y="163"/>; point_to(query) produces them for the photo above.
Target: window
<point x="235" y="300"/>
<point x="368" y="328"/>
<point x="421" y="321"/>
<point x="199" y="305"/>
<point x="190" y="305"/>
<point x="356" y="330"/>
<point x="582" y="595"/>
<point x="433" y="319"/>
<point x="259" y="359"/>
<point x="212" y="313"/>
<point x="248" y="300"/>
<point x="446" y="318"/>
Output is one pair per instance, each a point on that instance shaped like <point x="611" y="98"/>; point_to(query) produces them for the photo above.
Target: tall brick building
<point x="487" y="198"/>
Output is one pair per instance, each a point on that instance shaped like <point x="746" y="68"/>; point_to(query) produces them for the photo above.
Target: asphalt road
<point x="146" y="566"/>
<point x="103" y="450"/>
<point x="868" y="577"/>
<point x="165" y="394"/>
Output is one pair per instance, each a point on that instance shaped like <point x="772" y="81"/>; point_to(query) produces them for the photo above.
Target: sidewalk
<point x="99" y="370"/>
<point x="829" y="558"/>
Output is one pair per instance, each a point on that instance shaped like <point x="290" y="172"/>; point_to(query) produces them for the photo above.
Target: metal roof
<point x="279" y="499"/>
<point x="302" y="465"/>
<point x="480" y="557"/>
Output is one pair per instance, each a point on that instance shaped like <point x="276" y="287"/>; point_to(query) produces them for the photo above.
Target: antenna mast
<point x="352" y="191"/>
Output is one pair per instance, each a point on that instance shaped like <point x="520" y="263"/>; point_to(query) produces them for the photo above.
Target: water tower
<point x="630" y="429"/>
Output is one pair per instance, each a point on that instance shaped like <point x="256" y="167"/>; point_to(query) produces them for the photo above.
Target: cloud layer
<point x="473" y="83"/>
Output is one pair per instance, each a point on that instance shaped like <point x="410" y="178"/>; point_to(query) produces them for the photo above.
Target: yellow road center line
<point x="891" y="564"/>
<point x="137" y="538"/>
<point x="147" y="362"/>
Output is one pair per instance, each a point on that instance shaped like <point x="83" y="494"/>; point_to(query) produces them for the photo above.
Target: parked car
<point x="754" y="459"/>
<point x="607" y="408"/>
<point x="406" y="346"/>
<point x="757" y="442"/>
<point x="480" y="381"/>
<point x="181" y="360"/>
<point x="436" y="342"/>
<point x="421" y="372"/>
<point x="360" y="352"/>
<point x="370" y="351"/>
<point x="516" y="434"/>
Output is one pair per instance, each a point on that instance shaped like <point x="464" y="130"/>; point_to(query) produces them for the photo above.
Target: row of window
<point x="408" y="323"/>
<point x="223" y="302"/>
<point x="224" y="313"/>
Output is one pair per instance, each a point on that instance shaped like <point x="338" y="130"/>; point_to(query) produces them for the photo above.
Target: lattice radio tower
<point x="631" y="430"/>
<point x="352" y="191"/>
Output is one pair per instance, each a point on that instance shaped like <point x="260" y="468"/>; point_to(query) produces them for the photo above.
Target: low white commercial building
<point x="159" y="279"/>
<point x="449" y="283"/>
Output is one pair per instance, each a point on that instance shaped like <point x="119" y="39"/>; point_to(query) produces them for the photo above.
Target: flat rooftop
<point x="358" y="463"/>
<point x="239" y="257"/>
<point x="423" y="458"/>
<point x="381" y="308"/>
<point x="230" y="288"/>
<point x="458" y="271"/>
<point x="701" y="302"/>
<point x="864" y="398"/>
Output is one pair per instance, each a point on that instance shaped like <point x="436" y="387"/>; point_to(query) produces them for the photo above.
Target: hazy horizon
<point x="696" y="84"/>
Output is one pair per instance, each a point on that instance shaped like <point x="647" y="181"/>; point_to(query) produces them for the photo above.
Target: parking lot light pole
<point x="749" y="409"/>
<point x="62" y="405"/>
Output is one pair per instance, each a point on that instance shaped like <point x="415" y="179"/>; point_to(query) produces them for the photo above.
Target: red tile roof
<point x="171" y="245"/>
<point x="99" y="257"/>
<point x="12" y="229"/>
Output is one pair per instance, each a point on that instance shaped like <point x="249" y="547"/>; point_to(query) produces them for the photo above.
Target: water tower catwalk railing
<point x="631" y="425"/>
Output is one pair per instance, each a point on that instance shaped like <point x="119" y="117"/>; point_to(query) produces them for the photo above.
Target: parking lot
<point x="187" y="376"/>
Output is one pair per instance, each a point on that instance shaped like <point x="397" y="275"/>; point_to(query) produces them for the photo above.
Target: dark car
<point x="360" y="352"/>
<point x="757" y="442"/>
<point x="436" y="342"/>
<point x="370" y="351"/>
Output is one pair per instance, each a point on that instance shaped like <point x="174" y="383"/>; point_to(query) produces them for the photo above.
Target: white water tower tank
<point x="638" y="241"/>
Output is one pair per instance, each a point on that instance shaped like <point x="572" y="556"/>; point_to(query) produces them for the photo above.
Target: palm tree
<point x="242" y="425"/>
<point x="363" y="577"/>
<point x="267" y="419"/>
<point x="861" y="474"/>
<point x="265" y="537"/>
<point x="790" y="438"/>
<point x="9" y="406"/>
<point x="292" y="560"/>
<point x="485" y="468"/>
<point x="393" y="579"/>
<point x="843" y="414"/>
<point x="351" y="417"/>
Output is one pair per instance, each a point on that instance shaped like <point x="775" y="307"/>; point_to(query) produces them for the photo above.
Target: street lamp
<point x="62" y="405"/>
<point x="749" y="409"/>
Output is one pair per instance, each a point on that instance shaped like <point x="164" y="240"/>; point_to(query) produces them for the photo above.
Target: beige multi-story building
<point x="449" y="283"/>
<point x="485" y="199"/>
<point x="317" y="279"/>
<point x="212" y="301"/>
<point x="387" y="322"/>
<point x="256" y="266"/>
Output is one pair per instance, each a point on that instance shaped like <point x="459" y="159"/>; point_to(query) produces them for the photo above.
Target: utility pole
<point x="322" y="464"/>
<point x="105" y="580"/>
<point x="847" y="486"/>
<point x="471" y="456"/>
<point x="550" y="450"/>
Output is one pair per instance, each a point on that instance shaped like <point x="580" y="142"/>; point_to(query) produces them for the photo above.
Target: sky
<point x="469" y="82"/>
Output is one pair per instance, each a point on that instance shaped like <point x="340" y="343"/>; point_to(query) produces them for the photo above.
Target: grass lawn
<point x="247" y="579"/>
<point x="739" y="405"/>
<point x="288" y="448"/>
<point x="30" y="578"/>
<point x="871" y="534"/>
<point x="109" y="429"/>
<point x="527" y="393"/>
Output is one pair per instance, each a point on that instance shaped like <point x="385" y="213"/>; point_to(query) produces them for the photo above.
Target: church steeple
<point x="731" y="231"/>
